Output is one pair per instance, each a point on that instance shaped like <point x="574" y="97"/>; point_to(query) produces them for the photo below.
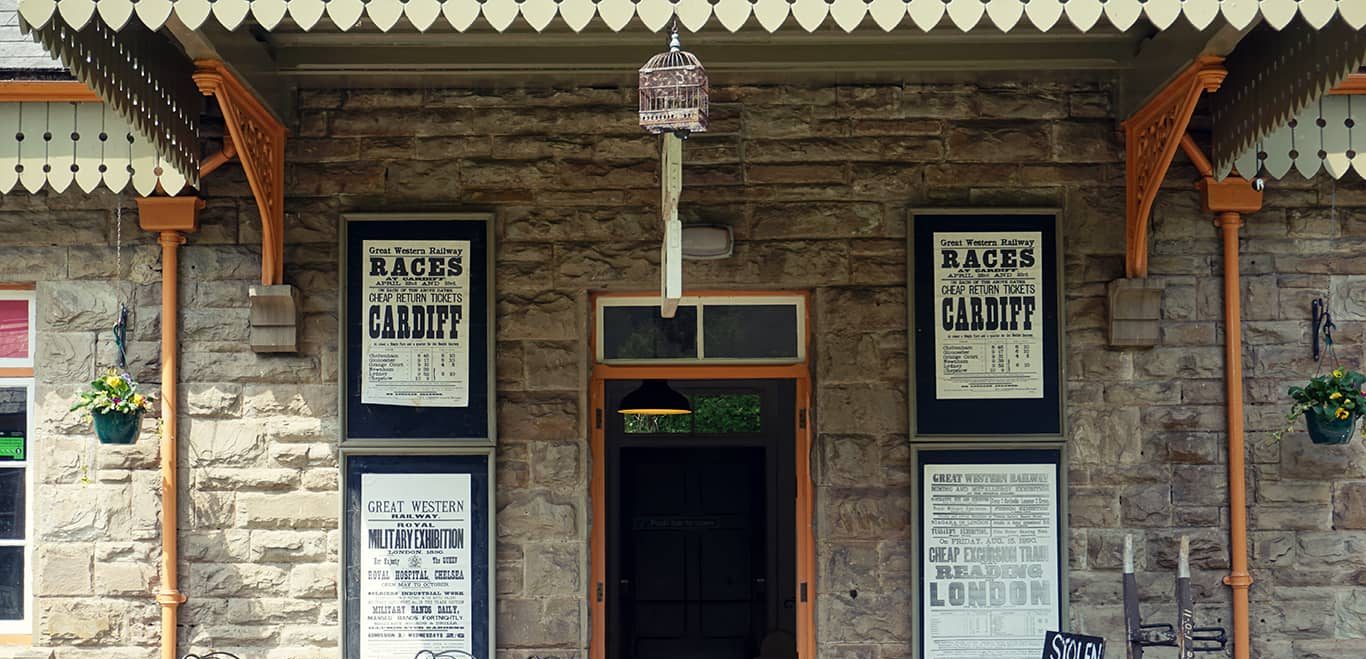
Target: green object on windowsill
<point x="117" y="427"/>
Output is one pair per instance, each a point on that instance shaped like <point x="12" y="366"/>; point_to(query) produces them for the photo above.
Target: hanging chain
<point x="1322" y="317"/>
<point x="121" y="324"/>
<point x="118" y="239"/>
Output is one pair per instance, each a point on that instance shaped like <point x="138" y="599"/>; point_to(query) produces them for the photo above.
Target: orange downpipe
<point x="170" y="218"/>
<point x="169" y="597"/>
<point x="1238" y="578"/>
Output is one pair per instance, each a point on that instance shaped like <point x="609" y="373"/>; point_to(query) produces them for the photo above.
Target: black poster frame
<point x="995" y="454"/>
<point x="478" y="462"/>
<point x="933" y="419"/>
<point x="363" y="423"/>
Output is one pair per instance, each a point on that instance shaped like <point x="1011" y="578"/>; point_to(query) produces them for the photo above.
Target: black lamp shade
<point x="654" y="397"/>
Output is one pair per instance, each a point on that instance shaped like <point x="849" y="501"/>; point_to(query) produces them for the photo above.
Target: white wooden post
<point x="671" y="252"/>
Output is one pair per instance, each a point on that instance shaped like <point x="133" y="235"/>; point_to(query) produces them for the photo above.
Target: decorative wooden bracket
<point x="1151" y="137"/>
<point x="258" y="140"/>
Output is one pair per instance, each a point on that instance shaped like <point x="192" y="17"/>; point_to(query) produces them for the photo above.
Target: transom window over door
<point x="732" y="329"/>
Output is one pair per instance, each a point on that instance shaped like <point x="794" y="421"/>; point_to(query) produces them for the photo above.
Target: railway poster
<point x="990" y="559"/>
<point x="416" y="588"/>
<point x="989" y="338"/>
<point x="415" y="347"/>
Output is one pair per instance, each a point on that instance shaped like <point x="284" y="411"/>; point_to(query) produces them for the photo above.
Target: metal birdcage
<point x="674" y="92"/>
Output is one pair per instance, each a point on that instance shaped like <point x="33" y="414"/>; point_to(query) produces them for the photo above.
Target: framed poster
<point x="990" y="552"/>
<point x="985" y="304"/>
<point x="417" y="321"/>
<point x="418" y="547"/>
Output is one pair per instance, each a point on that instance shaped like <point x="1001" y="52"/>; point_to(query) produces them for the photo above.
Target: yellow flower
<point x="112" y="380"/>
<point x="1335" y="395"/>
<point x="1338" y="373"/>
<point x="1342" y="414"/>
<point x="138" y="400"/>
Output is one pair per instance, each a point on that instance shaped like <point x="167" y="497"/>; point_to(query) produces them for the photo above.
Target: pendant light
<point x="654" y="397"/>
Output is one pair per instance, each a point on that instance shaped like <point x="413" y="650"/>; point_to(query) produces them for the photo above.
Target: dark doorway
<point x="701" y="535"/>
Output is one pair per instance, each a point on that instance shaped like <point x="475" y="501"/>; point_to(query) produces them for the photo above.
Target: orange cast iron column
<point x="1238" y="578"/>
<point x="171" y="218"/>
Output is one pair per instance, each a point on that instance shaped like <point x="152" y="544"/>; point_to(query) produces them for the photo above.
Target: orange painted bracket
<point x="1151" y="137"/>
<point x="259" y="139"/>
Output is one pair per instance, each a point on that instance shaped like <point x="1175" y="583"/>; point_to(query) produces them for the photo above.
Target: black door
<point x="692" y="552"/>
<point x="701" y="528"/>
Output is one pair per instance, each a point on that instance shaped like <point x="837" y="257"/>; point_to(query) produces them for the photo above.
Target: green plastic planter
<point x="1327" y="430"/>
<point x="116" y="427"/>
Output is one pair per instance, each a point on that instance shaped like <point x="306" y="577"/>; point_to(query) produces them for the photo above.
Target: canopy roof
<point x="1322" y="137"/>
<point x="88" y="144"/>
<point x="771" y="15"/>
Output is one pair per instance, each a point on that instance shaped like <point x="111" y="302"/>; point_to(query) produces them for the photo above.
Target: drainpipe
<point x="1238" y="577"/>
<point x="171" y="218"/>
<point x="1227" y="201"/>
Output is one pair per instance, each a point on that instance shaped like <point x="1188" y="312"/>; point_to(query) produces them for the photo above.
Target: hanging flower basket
<point x="117" y="427"/>
<point x="115" y="407"/>
<point x="1328" y="430"/>
<point x="1330" y="404"/>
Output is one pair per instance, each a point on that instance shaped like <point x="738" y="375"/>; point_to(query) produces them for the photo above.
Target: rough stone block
<point x="63" y="569"/>
<point x="867" y="514"/>
<point x="1295" y="517"/>
<point x="538" y="623"/>
<point x="1106" y="436"/>
<point x="261" y="510"/>
<point x="531" y="515"/>
<point x="213" y="400"/>
<point x="556" y="465"/>
<point x="124" y="579"/>
<point x="1092" y="507"/>
<point x="1349" y="505"/>
<point x="862" y="409"/>
<point x="552" y="570"/>
<point x="552" y="365"/>
<point x="313" y="581"/>
<point x="848" y="460"/>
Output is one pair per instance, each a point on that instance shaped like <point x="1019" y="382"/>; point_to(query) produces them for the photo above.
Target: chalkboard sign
<point x="417" y="321"/>
<point x="985" y="309"/>
<point x="418" y="539"/>
<point x="1061" y="645"/>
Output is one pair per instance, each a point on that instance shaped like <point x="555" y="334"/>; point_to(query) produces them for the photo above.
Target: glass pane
<point x="751" y="331"/>
<point x="640" y="333"/>
<point x="649" y="424"/>
<point x="712" y="414"/>
<point x="726" y="413"/>
<point x="14" y="329"/>
<point x="13" y="423"/>
<point x="11" y="583"/>
<point x="12" y="504"/>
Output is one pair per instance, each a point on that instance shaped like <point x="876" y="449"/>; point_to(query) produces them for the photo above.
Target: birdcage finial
<point x="674" y="44"/>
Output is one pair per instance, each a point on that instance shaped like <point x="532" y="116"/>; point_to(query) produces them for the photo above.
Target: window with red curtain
<point x="14" y="329"/>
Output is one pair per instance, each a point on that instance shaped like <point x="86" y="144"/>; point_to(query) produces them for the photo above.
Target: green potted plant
<point x="1331" y="406"/>
<point x="116" y="407"/>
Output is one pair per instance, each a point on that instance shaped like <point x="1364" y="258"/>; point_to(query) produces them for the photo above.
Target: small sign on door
<point x="1061" y="645"/>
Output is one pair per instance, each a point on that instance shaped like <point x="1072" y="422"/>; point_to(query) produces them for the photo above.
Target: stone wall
<point x="816" y="184"/>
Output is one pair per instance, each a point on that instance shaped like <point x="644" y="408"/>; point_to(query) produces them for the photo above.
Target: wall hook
<point x="1323" y="327"/>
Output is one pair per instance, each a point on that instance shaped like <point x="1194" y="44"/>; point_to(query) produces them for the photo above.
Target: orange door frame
<point x="805" y="505"/>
